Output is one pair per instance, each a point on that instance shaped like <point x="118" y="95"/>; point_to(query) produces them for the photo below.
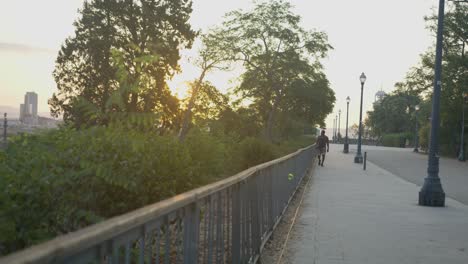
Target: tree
<point x="242" y="122"/>
<point x="275" y="51"/>
<point x="206" y="106"/>
<point x="354" y="129"/>
<point x="394" y="114"/>
<point x="138" y="39"/>
<point x="210" y="57"/>
<point x="419" y="79"/>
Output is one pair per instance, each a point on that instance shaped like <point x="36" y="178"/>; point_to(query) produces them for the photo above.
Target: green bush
<point x="208" y="156"/>
<point x="423" y="134"/>
<point x="293" y="145"/>
<point x="58" y="181"/>
<point x="254" y="151"/>
<point x="396" y="140"/>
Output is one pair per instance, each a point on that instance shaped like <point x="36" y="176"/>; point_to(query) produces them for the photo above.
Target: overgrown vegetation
<point x="59" y="181"/>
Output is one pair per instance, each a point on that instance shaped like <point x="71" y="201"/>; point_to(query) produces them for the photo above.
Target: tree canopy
<point x="124" y="50"/>
<point x="280" y="59"/>
<point x="390" y="116"/>
<point x="393" y="114"/>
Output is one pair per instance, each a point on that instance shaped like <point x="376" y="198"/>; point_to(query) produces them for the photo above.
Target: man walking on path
<point x="323" y="147"/>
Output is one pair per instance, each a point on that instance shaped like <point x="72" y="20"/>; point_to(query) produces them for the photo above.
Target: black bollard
<point x="365" y="160"/>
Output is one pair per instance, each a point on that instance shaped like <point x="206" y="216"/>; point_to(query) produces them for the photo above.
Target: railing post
<point x="274" y="196"/>
<point x="236" y="230"/>
<point x="271" y="212"/>
<point x="255" y="210"/>
<point x="191" y="226"/>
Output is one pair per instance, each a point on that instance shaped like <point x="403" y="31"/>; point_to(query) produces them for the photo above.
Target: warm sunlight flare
<point x="179" y="88"/>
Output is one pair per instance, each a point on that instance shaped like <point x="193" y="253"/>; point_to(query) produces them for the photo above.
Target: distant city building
<point x="28" y="110"/>
<point x="21" y="116"/>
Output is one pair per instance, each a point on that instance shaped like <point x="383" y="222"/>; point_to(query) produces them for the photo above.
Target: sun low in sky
<point x="381" y="38"/>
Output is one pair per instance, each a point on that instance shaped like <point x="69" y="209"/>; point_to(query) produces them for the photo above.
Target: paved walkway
<point x="413" y="167"/>
<point x="355" y="216"/>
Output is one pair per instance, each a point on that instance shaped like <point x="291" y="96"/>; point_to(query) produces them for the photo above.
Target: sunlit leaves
<point x="276" y="52"/>
<point x="120" y="57"/>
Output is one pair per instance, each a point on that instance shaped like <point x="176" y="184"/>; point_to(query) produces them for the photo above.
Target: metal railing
<point x="225" y="222"/>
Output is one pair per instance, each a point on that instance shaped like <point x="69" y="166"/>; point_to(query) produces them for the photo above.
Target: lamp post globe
<point x="363" y="78"/>
<point x="346" y="143"/>
<point x="358" y="157"/>
<point x="416" y="139"/>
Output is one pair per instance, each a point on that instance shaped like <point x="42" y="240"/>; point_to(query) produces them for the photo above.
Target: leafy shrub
<point x="58" y="181"/>
<point x="395" y="140"/>
<point x="423" y="134"/>
<point x="208" y="155"/>
<point x="293" y="145"/>
<point x="38" y="180"/>
<point x="254" y="151"/>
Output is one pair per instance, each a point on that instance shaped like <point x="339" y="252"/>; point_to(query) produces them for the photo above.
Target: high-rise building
<point x="21" y="116"/>
<point x="28" y="110"/>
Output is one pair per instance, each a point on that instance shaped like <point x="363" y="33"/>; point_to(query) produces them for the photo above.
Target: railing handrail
<point x="71" y="243"/>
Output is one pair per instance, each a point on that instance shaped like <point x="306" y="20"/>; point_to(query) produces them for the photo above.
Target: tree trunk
<point x="271" y="119"/>
<point x="188" y="114"/>
<point x="134" y="102"/>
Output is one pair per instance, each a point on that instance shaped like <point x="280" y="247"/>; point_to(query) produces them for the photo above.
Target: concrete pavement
<point x="355" y="216"/>
<point x="413" y="167"/>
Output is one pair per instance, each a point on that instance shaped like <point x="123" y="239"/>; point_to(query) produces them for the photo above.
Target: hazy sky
<point x="382" y="38"/>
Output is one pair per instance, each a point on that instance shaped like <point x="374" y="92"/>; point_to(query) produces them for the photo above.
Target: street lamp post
<point x="339" y="125"/>
<point x="358" y="157"/>
<point x="346" y="143"/>
<point x="333" y="133"/>
<point x="461" y="156"/>
<point x="431" y="193"/>
<point x="336" y="128"/>
<point x="416" y="140"/>
<point x="336" y="125"/>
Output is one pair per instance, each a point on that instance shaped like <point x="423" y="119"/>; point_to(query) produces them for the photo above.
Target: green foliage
<point x="208" y="103"/>
<point x="58" y="181"/>
<point x="204" y="97"/>
<point x="395" y="140"/>
<point x="208" y="154"/>
<point x="37" y="190"/>
<point x="239" y="123"/>
<point x="293" y="144"/>
<point x="283" y="73"/>
<point x="120" y="151"/>
<point x="394" y="114"/>
<point x="124" y="51"/>
<point x="420" y="79"/>
<point x="253" y="151"/>
<point x="424" y="134"/>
